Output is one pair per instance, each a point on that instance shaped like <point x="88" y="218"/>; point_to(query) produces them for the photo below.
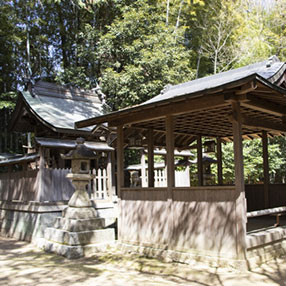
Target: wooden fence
<point x="182" y="178"/>
<point x="255" y="196"/>
<point x="48" y="185"/>
<point x="19" y="186"/>
<point x="98" y="188"/>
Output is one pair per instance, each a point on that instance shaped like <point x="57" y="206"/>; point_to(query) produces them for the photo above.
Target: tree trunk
<point x="63" y="37"/>
<point x="199" y="62"/>
<point x="167" y="12"/>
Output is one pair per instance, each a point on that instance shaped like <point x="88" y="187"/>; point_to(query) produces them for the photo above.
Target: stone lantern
<point x="80" y="230"/>
<point x="80" y="206"/>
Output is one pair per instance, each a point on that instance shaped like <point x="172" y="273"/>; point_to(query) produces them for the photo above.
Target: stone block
<point x="73" y="252"/>
<point x="79" y="238"/>
<point x="68" y="251"/>
<point x="79" y="224"/>
<point x="79" y="213"/>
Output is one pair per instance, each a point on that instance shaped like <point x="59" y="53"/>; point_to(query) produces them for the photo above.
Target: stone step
<point x="83" y="224"/>
<point x="79" y="238"/>
<point x="73" y="252"/>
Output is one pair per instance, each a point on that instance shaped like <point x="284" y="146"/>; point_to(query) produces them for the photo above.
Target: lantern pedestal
<point x="79" y="231"/>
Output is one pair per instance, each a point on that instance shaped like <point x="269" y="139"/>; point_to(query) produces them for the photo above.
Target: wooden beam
<point x="159" y="131"/>
<point x="120" y="159"/>
<point x="263" y="105"/>
<point x="172" y="108"/>
<point x="150" y="159"/>
<point x="219" y="162"/>
<point x="200" y="161"/>
<point x="265" y="169"/>
<point x="263" y="124"/>
<point x="248" y="87"/>
<point x="170" y="155"/>
<point x="240" y="219"/>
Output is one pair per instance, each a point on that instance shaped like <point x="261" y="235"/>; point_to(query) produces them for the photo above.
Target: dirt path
<point x="23" y="264"/>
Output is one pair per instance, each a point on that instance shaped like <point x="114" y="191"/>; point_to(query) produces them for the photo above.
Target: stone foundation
<point x="28" y="220"/>
<point x="187" y="256"/>
<point x="265" y="245"/>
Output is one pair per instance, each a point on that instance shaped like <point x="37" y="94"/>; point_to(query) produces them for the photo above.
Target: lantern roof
<point x="81" y="152"/>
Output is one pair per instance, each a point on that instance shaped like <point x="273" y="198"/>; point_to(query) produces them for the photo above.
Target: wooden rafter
<point x="173" y="108"/>
<point x="263" y="124"/>
<point x="263" y="105"/>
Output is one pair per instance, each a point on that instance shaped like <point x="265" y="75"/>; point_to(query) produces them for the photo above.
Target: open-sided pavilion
<point x="202" y="222"/>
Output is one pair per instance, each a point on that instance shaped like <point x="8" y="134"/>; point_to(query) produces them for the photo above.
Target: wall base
<point x="28" y="220"/>
<point x="188" y="257"/>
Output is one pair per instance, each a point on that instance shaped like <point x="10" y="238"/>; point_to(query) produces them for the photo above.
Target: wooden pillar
<point x="9" y="192"/>
<point x="150" y="159"/>
<point x="143" y="169"/>
<point x="219" y="162"/>
<point x="200" y="161"/>
<point x="120" y="159"/>
<point x="170" y="155"/>
<point x="109" y="175"/>
<point x="41" y="175"/>
<point x="113" y="179"/>
<point x="187" y="171"/>
<point x="265" y="169"/>
<point x="240" y="212"/>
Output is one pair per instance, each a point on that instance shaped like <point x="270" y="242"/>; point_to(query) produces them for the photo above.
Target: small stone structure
<point x="80" y="230"/>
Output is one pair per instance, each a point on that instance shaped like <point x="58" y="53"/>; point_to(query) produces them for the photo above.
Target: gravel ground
<point x="22" y="264"/>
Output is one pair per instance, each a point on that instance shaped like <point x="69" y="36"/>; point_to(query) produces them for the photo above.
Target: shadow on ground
<point x="23" y="264"/>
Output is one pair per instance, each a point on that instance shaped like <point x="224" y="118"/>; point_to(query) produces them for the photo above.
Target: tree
<point x="253" y="161"/>
<point x="139" y="55"/>
<point x="216" y="27"/>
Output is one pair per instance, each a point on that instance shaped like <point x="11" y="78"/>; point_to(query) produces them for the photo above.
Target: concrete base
<point x="81" y="237"/>
<point x="28" y="220"/>
<point x="265" y="245"/>
<point x="78" y="229"/>
<point x="191" y="256"/>
<point x="76" y="244"/>
<point x="73" y="252"/>
<point x="27" y="226"/>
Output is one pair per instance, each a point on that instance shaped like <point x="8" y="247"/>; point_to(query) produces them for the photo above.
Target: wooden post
<point x="219" y="162"/>
<point x="265" y="169"/>
<point x="120" y="159"/>
<point x="41" y="174"/>
<point x="240" y="215"/>
<point x="170" y="155"/>
<point x="188" y="171"/>
<point x="143" y="169"/>
<point x="109" y="175"/>
<point x="120" y="174"/>
<point x="200" y="161"/>
<point x="150" y="159"/>
<point x="113" y="179"/>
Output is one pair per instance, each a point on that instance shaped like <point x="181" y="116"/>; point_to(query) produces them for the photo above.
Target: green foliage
<point x="140" y="55"/>
<point x="135" y="48"/>
<point x="8" y="100"/>
<point x="253" y="161"/>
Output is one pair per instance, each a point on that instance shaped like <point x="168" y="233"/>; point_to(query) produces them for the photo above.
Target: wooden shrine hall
<point x="206" y="223"/>
<point x="33" y="187"/>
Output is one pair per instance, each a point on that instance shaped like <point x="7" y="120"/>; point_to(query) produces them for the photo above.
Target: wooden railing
<point x="99" y="188"/>
<point x="182" y="179"/>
